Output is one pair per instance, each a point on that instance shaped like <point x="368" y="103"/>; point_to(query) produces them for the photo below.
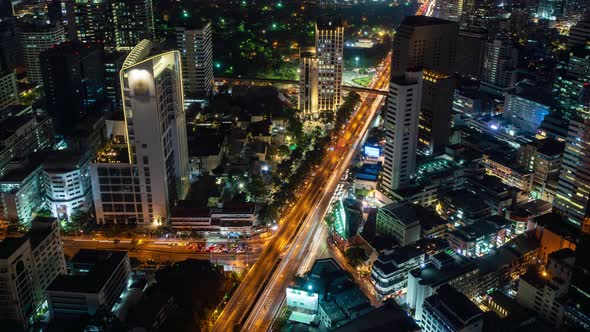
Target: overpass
<point x="254" y="80"/>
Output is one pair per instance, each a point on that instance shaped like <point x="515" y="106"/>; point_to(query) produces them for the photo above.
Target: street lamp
<point x="357" y="59"/>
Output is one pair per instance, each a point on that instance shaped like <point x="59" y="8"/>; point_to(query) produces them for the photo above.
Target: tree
<point x="355" y="256"/>
<point x="283" y="151"/>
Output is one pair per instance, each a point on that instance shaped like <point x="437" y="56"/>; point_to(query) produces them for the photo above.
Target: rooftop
<point x="10" y="125"/>
<point x="328" y="22"/>
<point x="421" y="20"/>
<point x="381" y="319"/>
<point x="10" y="244"/>
<point x="455" y="266"/>
<point x="102" y="263"/>
<point x="112" y="154"/>
<point x="458" y="310"/>
<point x="404" y="212"/>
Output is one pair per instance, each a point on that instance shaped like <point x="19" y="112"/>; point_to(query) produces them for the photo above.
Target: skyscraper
<point x="73" y="79"/>
<point x="572" y="199"/>
<point x="93" y="22"/>
<point x="36" y="38"/>
<point x="401" y="130"/>
<point x="196" y="47"/>
<point x="153" y="166"/>
<point x="10" y="52"/>
<point x="435" y="112"/>
<point x="329" y="42"/>
<point x="499" y="64"/>
<point x="428" y="43"/>
<point x="579" y="34"/>
<point x="470" y="49"/>
<point x="449" y="10"/>
<point x="425" y="43"/>
<point x="570" y="87"/>
<point x="550" y="9"/>
<point x="308" y="81"/>
<point x="133" y="21"/>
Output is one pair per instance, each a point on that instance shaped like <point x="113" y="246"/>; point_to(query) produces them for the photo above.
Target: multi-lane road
<point x="255" y="302"/>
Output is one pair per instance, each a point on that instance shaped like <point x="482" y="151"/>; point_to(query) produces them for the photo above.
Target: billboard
<point x="301" y="299"/>
<point x="372" y="151"/>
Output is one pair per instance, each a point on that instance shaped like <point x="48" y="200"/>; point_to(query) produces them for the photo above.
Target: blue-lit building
<point x="526" y="106"/>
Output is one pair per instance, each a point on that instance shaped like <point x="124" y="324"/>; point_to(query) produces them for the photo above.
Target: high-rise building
<point x="570" y="87"/>
<point x="579" y="34"/>
<point x="93" y="22"/>
<point x="450" y="311"/>
<point x="329" y="42"/>
<point x="449" y="10"/>
<point x="113" y="62"/>
<point x="6" y="9"/>
<point x="8" y="89"/>
<point x="196" y="47"/>
<point x="423" y="42"/>
<point x="550" y="9"/>
<point x="154" y="167"/>
<point x="10" y="52"/>
<point x="36" y="38"/>
<point x="28" y="264"/>
<point x="499" y="64"/>
<point x="401" y="128"/>
<point x="470" y="49"/>
<point x="525" y="106"/>
<point x="63" y="11"/>
<point x="435" y="113"/>
<point x="133" y="21"/>
<point x="572" y="199"/>
<point x="73" y="79"/>
<point x="308" y="81"/>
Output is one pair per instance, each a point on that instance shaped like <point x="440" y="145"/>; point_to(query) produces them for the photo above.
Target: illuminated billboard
<point x="302" y="299"/>
<point x="372" y="151"/>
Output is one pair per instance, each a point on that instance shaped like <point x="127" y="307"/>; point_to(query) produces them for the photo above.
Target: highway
<point x="262" y="290"/>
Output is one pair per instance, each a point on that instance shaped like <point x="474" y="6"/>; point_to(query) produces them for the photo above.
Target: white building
<point x="142" y="179"/>
<point x="329" y="42"/>
<point x="8" y="90"/>
<point x="499" y="64"/>
<point x="308" y="81"/>
<point x="401" y="126"/>
<point x="28" y="264"/>
<point x="66" y="180"/>
<point x="196" y="47"/>
<point x="36" y="38"/>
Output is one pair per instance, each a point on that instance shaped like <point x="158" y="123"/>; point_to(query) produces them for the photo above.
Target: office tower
<point x="499" y="64"/>
<point x="570" y="88"/>
<point x="28" y="264"/>
<point x="401" y="128"/>
<point x="23" y="135"/>
<point x="329" y="42"/>
<point x="435" y="113"/>
<point x="93" y="23"/>
<point x="550" y="9"/>
<point x="308" y="81"/>
<point x="113" y="63"/>
<point x="36" y="38"/>
<point x="97" y="280"/>
<point x="196" y="48"/>
<point x="133" y="21"/>
<point x="73" y="79"/>
<point x="450" y="311"/>
<point x="525" y="106"/>
<point x="63" y="11"/>
<point x="153" y="165"/>
<point x="8" y="90"/>
<point x="423" y="42"/>
<point x="544" y="291"/>
<point x="579" y="34"/>
<point x="10" y="52"/>
<point x="573" y="187"/>
<point x="470" y="49"/>
<point x="449" y="10"/>
<point x="66" y="181"/>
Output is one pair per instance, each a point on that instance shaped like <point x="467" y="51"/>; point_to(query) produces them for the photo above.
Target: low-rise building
<point x="97" y="279"/>
<point x="398" y="222"/>
<point x="21" y="193"/>
<point x="389" y="273"/>
<point x="226" y="217"/>
<point x="462" y="207"/>
<point x="444" y="268"/>
<point x="509" y="173"/>
<point x="479" y="238"/>
<point x="544" y="291"/>
<point x="450" y="311"/>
